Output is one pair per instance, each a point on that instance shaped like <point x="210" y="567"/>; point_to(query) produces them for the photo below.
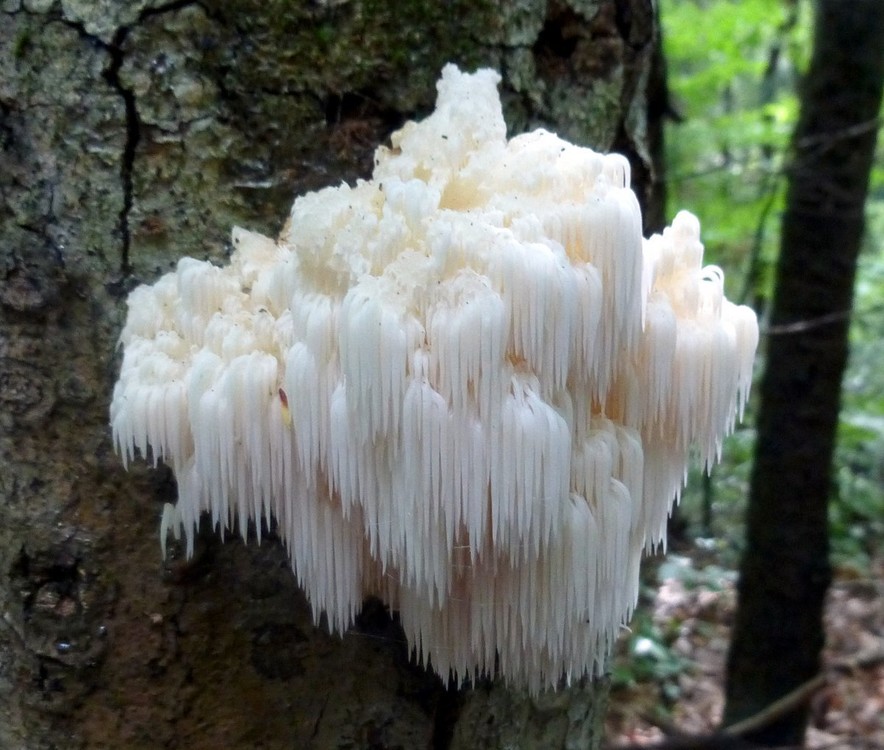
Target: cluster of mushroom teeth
<point x="467" y="385"/>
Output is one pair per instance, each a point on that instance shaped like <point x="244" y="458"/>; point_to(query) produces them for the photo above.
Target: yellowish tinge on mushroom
<point x="467" y="385"/>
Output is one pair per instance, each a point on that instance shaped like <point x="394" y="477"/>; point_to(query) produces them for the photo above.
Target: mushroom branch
<point x="467" y="385"/>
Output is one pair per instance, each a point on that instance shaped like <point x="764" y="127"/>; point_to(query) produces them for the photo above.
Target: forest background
<point x="733" y="75"/>
<point x="734" y="72"/>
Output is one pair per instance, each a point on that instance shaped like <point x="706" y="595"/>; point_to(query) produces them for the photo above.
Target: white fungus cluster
<point x="467" y="385"/>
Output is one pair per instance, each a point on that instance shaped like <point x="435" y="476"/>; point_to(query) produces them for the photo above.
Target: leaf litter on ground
<point x="670" y="665"/>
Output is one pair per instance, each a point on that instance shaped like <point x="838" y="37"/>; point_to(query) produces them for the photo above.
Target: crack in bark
<point x="445" y="717"/>
<point x="111" y="75"/>
<point x="169" y="7"/>
<point x="133" y="122"/>
<point x="133" y="135"/>
<point x="318" y="720"/>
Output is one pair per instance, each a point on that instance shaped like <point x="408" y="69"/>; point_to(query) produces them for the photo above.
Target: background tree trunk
<point x="785" y="571"/>
<point x="133" y="134"/>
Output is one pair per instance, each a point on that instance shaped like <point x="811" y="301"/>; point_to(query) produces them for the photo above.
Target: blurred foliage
<point x="857" y="508"/>
<point x="733" y="74"/>
<point x="646" y="655"/>
<point x="734" y="70"/>
<point x="648" y="651"/>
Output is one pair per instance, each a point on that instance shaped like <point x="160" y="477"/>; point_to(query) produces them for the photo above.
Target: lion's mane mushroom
<point x="467" y="385"/>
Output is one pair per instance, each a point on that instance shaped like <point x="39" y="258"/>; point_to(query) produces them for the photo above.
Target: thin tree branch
<point x="833" y="137"/>
<point x="730" y="737"/>
<point x="800" y="326"/>
<point x="780" y="707"/>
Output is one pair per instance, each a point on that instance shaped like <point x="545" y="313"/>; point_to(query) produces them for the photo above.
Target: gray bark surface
<point x="132" y="134"/>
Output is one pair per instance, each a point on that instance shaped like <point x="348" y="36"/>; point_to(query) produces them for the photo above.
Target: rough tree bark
<point x="785" y="571"/>
<point x="133" y="134"/>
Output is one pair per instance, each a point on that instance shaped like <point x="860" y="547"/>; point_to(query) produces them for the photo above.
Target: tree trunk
<point x="133" y="134"/>
<point x="785" y="571"/>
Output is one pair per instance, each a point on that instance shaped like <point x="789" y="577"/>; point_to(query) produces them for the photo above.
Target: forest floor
<point x="669" y="672"/>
